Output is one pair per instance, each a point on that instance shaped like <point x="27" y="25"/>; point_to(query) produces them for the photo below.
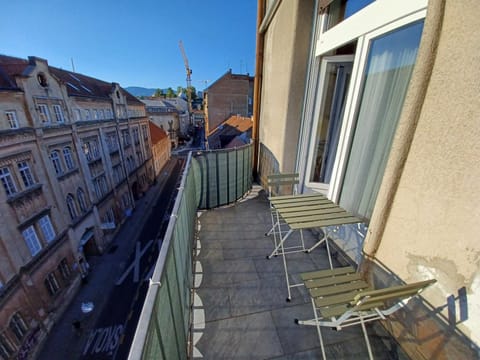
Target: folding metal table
<point x="304" y="212"/>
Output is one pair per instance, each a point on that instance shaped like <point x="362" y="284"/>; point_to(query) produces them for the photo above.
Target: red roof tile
<point x="156" y="133"/>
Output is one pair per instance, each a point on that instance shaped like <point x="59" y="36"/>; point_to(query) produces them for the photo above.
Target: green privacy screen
<point x="210" y="179"/>
<point x="223" y="176"/>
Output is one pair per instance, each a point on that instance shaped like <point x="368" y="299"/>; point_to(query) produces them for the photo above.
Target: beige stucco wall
<point x="287" y="41"/>
<point x="432" y="230"/>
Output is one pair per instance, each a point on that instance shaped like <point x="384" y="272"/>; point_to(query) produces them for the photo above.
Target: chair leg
<point x="303" y="242"/>
<point x="328" y="253"/>
<point x="369" y="348"/>
<point x="322" y="346"/>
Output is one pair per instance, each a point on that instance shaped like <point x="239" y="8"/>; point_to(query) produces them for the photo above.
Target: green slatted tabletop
<point x="307" y="211"/>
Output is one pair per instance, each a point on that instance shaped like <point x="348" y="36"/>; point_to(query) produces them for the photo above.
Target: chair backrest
<point x="372" y="298"/>
<point x="283" y="183"/>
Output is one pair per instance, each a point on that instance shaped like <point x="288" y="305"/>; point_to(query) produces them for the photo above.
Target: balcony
<point x="214" y="295"/>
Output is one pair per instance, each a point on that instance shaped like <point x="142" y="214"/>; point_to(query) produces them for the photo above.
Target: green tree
<point x="158" y="93"/>
<point x="170" y="93"/>
<point x="193" y="92"/>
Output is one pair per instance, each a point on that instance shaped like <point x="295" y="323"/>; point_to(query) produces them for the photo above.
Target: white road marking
<point x="135" y="265"/>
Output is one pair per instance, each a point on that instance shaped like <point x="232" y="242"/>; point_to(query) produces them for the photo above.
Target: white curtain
<point x="389" y="68"/>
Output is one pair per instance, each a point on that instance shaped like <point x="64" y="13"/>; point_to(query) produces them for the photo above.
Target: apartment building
<point x="376" y="106"/>
<point x="161" y="147"/>
<point x="75" y="152"/>
<point x="231" y="94"/>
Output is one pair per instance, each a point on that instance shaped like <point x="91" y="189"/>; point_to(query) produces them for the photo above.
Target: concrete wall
<point x="287" y="41"/>
<point x="431" y="229"/>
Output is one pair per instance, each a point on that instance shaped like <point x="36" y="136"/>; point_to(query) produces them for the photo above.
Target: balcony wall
<point x="210" y="179"/>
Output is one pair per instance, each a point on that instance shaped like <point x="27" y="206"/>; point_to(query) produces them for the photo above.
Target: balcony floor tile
<point x="243" y="294"/>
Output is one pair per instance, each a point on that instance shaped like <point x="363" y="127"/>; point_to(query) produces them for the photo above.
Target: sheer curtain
<point x="389" y="67"/>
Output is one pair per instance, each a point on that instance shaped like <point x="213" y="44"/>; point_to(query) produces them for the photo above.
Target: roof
<point x="76" y="84"/>
<point x="229" y="133"/>
<point x="9" y="68"/>
<point x="157" y="134"/>
<point x="231" y="75"/>
<point x="157" y="103"/>
<point x="86" y="86"/>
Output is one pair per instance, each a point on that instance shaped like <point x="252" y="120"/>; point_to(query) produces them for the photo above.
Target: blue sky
<point x="134" y="42"/>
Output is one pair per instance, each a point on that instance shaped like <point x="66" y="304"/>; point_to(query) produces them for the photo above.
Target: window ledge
<point x="33" y="191"/>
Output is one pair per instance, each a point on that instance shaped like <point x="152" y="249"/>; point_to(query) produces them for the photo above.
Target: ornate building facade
<point x="75" y="152"/>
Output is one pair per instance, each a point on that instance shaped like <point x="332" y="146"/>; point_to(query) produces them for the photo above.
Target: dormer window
<point x="42" y="80"/>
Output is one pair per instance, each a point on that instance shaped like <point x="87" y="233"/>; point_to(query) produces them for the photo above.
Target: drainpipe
<point x="257" y="85"/>
<point x="407" y="126"/>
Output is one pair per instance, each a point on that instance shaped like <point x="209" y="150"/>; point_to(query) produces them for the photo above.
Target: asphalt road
<point x="113" y="333"/>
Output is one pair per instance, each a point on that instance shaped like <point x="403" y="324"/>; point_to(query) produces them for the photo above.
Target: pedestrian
<point x="77" y="327"/>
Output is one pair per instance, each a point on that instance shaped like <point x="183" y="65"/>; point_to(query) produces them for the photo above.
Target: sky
<point x="134" y="42"/>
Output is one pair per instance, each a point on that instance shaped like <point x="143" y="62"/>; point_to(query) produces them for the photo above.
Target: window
<point x="57" y="163"/>
<point x="58" y="113"/>
<point x="67" y="155"/>
<point x="130" y="164"/>
<point x="145" y="132"/>
<point x="91" y="150"/>
<point x="94" y="148"/>
<point x="43" y="113"/>
<point x="125" y="200"/>
<point x="389" y="66"/>
<point x="117" y="174"/>
<point x="12" y="119"/>
<point x="26" y="174"/>
<point x="82" y="200"/>
<point x="51" y="284"/>
<point x="78" y="114"/>
<point x="72" y="207"/>
<point x="6" y="347"/>
<point x="136" y="137"/>
<point x="18" y="326"/>
<point x="95" y="114"/>
<point x="64" y="269"/>
<point x="112" y="142"/>
<point x="47" y="228"/>
<point x="109" y="216"/>
<point x="126" y="137"/>
<point x="100" y="186"/>
<point x="102" y="180"/>
<point x="42" y="80"/>
<point x="31" y="239"/>
<point x="101" y="114"/>
<point x="140" y="157"/>
<point x="339" y="10"/>
<point x="7" y="181"/>
<point x="87" y="115"/>
<point x="336" y="72"/>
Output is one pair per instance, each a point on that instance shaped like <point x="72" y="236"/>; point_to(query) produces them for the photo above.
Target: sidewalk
<point x="62" y="342"/>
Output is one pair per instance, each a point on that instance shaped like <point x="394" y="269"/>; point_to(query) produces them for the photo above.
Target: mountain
<point x="140" y="91"/>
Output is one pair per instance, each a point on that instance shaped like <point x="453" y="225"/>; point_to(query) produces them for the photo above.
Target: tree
<point x="170" y="93"/>
<point x="158" y="93"/>
<point x="193" y="92"/>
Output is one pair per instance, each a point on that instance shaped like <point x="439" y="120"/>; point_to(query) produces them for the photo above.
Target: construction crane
<point x="189" y="78"/>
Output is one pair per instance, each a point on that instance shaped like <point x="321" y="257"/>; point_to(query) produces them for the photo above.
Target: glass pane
<point x="339" y="10"/>
<point x="335" y="84"/>
<point x="389" y="67"/>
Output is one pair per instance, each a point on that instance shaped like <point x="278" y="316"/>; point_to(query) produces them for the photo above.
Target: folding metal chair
<point x="340" y="298"/>
<point x="281" y="184"/>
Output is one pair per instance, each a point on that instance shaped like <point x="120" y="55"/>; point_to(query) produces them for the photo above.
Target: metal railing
<point x="210" y="179"/>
